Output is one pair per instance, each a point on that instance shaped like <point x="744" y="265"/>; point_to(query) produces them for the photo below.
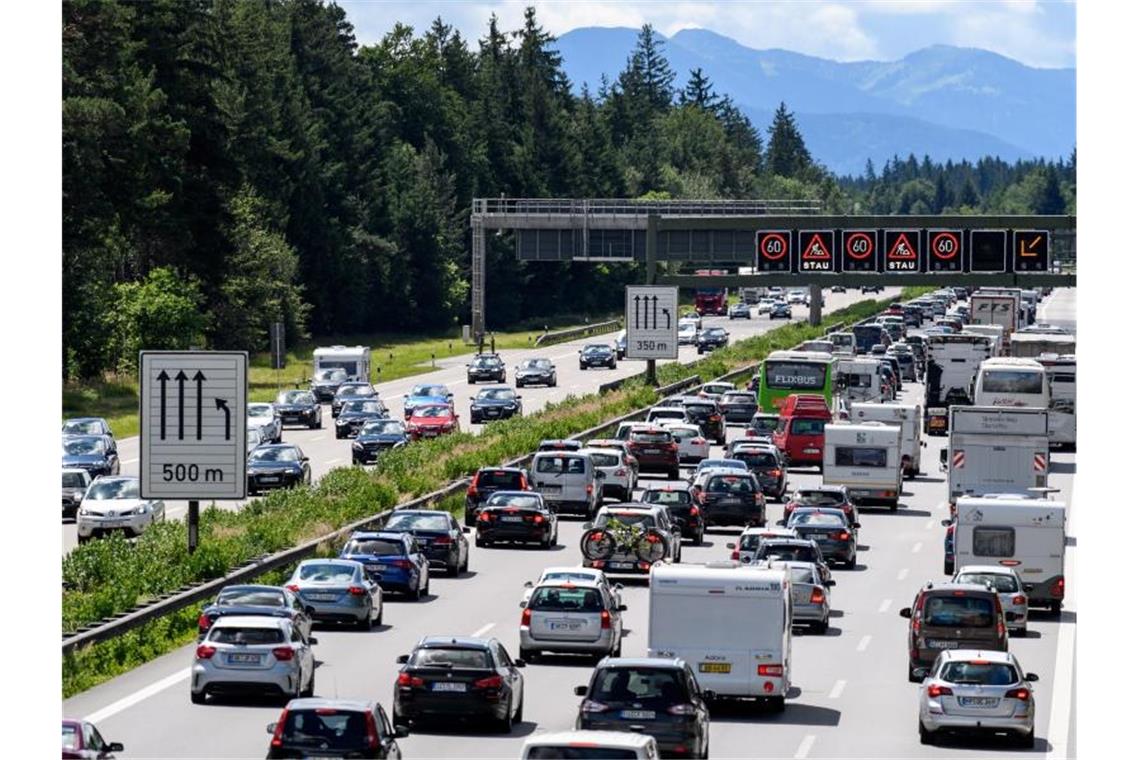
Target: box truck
<point x="996" y="449"/>
<point x="906" y="416"/>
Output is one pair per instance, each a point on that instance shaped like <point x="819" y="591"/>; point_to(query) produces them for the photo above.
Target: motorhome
<point x="356" y="361"/>
<point x="858" y="380"/>
<point x="866" y="458"/>
<point x="909" y="418"/>
<point x="996" y="449"/>
<point x="996" y="333"/>
<point x="994" y="307"/>
<point x="951" y="364"/>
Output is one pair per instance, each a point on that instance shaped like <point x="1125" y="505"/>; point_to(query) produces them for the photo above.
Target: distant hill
<point x="948" y="102"/>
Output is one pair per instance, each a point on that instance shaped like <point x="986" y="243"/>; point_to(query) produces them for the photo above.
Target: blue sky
<point x="1036" y="32"/>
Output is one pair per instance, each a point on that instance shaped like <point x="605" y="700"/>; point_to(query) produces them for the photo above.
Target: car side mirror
<point x="520" y="663"/>
<point x="1031" y="677"/>
<point x="708" y="695"/>
<point x="580" y="691"/>
<point x="904" y="612"/>
<point x="946" y="523"/>
<point x="313" y="640"/>
<point x="402" y="659"/>
<point x="271" y="728"/>
<point x="118" y="746"/>
<point x="622" y="608"/>
<point x="856" y="525"/>
<point x="528" y="584"/>
<point x="783" y="523"/>
<point x="400" y="732"/>
<point x="466" y="529"/>
<point x="304" y="459"/>
<point x="1011" y="617"/>
<point x="522" y="604"/>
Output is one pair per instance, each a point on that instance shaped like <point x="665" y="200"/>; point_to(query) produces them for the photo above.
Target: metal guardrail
<point x="577" y="332"/>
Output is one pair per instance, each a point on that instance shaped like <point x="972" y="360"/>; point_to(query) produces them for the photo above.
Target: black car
<point x="706" y="414"/>
<point x="738" y="406"/>
<point x="621" y="343"/>
<point x="871" y="289"/>
<point x="74" y="485"/>
<point x="459" y="678"/>
<point x="355" y="412"/>
<point x="298" y="408"/>
<point x="597" y="355"/>
<point x="342" y="727"/>
<point x="88" y="426"/>
<point x="352" y="391"/>
<point x="730" y="497"/>
<point x="93" y="453"/>
<point x="276" y="465"/>
<point x="486" y="367"/>
<point x="681" y="508"/>
<point x="376" y="437"/>
<point x="495" y="404"/>
<point x="655" y="696"/>
<point x="538" y="371"/>
<point x="326" y="382"/>
<point x="711" y="338"/>
<point x="836" y="538"/>
<point x="765" y="462"/>
<point x="838" y="289"/>
<point x="826" y="497"/>
<point x="516" y="516"/>
<point x="780" y="310"/>
<point x="256" y="600"/>
<point x="440" y="536"/>
<point x="793" y="550"/>
<point x="490" y="480"/>
<point x="912" y="316"/>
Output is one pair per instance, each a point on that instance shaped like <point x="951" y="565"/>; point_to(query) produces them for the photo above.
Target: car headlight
<point x="83" y="512"/>
<point x="141" y="510"/>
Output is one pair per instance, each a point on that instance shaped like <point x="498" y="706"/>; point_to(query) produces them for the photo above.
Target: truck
<point x="752" y="296"/>
<point x="731" y="623"/>
<point x="996" y="308"/>
<point x="996" y="449"/>
<point x="906" y="416"/>
<point x="867" y="459"/>
<point x="858" y="380"/>
<point x="952" y="361"/>
<point x="1022" y="532"/>
<point x="711" y="300"/>
<point x="1029" y="299"/>
<point x="996" y="333"/>
<point x="356" y="361"/>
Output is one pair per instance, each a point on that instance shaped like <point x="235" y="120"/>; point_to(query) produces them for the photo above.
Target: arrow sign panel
<point x="651" y="322"/>
<point x="210" y="462"/>
<point x="1031" y="250"/>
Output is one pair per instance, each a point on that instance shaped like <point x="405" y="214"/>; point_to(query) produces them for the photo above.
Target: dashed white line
<point x="332" y="461"/>
<point x="916" y="548"/>
<point x="805" y="747"/>
<point x="129" y="461"/>
<point x="837" y="689"/>
<point x="482" y="630"/>
<point x="133" y="699"/>
<point x="864" y="643"/>
<point x="886" y="605"/>
<point x="929" y="524"/>
<point x="903" y="574"/>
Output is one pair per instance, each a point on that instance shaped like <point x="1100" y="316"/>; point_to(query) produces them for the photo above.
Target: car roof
<point x="821" y="510"/>
<point x="793" y="541"/>
<point x="528" y="494"/>
<point x="115" y="478"/>
<point x="279" y="446"/>
<point x="761" y="530"/>
<point x="599" y="739"/>
<point x="949" y="587"/>
<point x="395" y="535"/>
<point x="980" y="654"/>
<point x="75" y="469"/>
<point x="456" y="642"/>
<point x="822" y="488"/>
<point x="791" y="564"/>
<point x="84" y="419"/>
<point x="250" y="621"/>
<point x="989" y="569"/>
<point x="253" y="587"/>
<point x="316" y="703"/>
<point x="566" y="583"/>
<point x="592" y="571"/>
<point x="673" y="663"/>
<point x="629" y="506"/>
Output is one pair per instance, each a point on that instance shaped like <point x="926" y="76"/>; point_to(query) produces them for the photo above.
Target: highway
<point x="326" y="452"/>
<point x="851" y="696"/>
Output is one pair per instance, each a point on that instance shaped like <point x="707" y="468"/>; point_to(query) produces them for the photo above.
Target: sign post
<point x="651" y="322"/>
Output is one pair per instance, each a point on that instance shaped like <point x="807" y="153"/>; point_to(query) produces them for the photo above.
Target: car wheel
<point x="507" y="722"/>
<point x="480" y="542"/>
<point x="527" y="655"/>
<point x="924" y="736"/>
<point x="581" y="366"/>
<point x="414" y="591"/>
<point x="1055" y="609"/>
<point x="517" y="718"/>
<point x="198" y="698"/>
<point x="427" y="586"/>
<point x="1026" y="741"/>
<point x="778" y="704"/>
<point x="466" y="560"/>
<point x="451" y="571"/>
<point x="553" y="384"/>
<point x="518" y="384"/>
<point x="850" y="564"/>
<point x="1019" y="633"/>
<point x="948" y="567"/>
<point x="366" y="623"/>
<point x="338" y="434"/>
<point x="821" y="627"/>
<point x="312" y="687"/>
<point x="911" y="676"/>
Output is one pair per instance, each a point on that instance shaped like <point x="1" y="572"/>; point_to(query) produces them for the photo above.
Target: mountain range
<point x="942" y="101"/>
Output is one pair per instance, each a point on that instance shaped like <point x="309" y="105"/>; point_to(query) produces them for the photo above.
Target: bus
<point x="1061" y="370"/>
<point x="786" y="372"/>
<point x="1011" y="381"/>
<point x="1031" y="344"/>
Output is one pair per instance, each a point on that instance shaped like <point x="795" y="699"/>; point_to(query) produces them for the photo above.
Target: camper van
<point x="995" y="449"/>
<point x="858" y="380"/>
<point x="908" y="417"/>
<point x="732" y="624"/>
<point x="356" y="361"/>
<point x="865" y="458"/>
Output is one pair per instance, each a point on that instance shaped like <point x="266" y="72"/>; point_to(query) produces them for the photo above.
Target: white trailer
<point x="906" y="416"/>
<point x="996" y="450"/>
<point x="858" y="380"/>
<point x="1027" y="534"/>
<point x="867" y="458"/>
<point x="995" y="333"/>
<point x="732" y="624"/>
<point x="356" y="361"/>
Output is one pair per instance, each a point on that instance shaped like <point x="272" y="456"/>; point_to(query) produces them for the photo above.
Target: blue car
<point x="426" y="395"/>
<point x="393" y="560"/>
<point x="93" y="453"/>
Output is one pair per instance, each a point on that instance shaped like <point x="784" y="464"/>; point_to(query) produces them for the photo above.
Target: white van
<point x="1027" y="534"/>
<point x="732" y="624"/>
<point x="858" y="380"/>
<point x="867" y="459"/>
<point x="1062" y="374"/>
<point x="906" y="416"/>
<point x="356" y="361"/>
<point x="567" y="481"/>
<point x="843" y="342"/>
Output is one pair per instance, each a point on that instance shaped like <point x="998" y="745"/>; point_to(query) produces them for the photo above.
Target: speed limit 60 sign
<point x="860" y="250"/>
<point x="773" y="251"/>
<point x="944" y="250"/>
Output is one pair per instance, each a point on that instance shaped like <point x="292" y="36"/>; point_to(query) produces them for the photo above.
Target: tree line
<point x="228" y="164"/>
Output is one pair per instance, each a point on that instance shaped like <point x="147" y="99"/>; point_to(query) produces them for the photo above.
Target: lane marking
<point x="130" y="461"/>
<point x="805" y="747"/>
<point x="903" y="573"/>
<point x="885" y="605"/>
<point x="333" y="461"/>
<point x="929" y="524"/>
<point x="837" y="689"/>
<point x="916" y="548"/>
<point x="133" y="699"/>
<point x="482" y="630"/>
<point x="864" y="643"/>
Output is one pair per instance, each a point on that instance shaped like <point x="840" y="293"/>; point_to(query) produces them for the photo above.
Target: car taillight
<point x="714" y="418"/>
<point x="698" y="441"/>
<point x="699" y="496"/>
<point x="492" y="682"/>
<point x="539" y="519"/>
<point x="694" y="510"/>
<point x="750" y="433"/>
<point x="1020" y="693"/>
<point x="357" y="590"/>
<point x="671" y="446"/>
<point x="1057" y="590"/>
<point x="279" y="729"/>
<point x="205" y="651"/>
<point x="934" y="690"/>
<point x="684" y="709"/>
<point x="408" y="680"/>
<point x="590" y="706"/>
<point x="370" y="731"/>
<point x="472" y="490"/>
<point x="589" y="488"/>
<point x="774" y="671"/>
<point x="817" y="595"/>
<point x="1000" y="628"/>
<point x="403" y="564"/>
<point x="283" y="654"/>
<point x="736" y="554"/>
<point x="606" y="622"/>
<point x="485" y="517"/>
<point x="775" y="473"/>
<point x="204" y="622"/>
<point x="442" y="540"/>
<point x="841" y="535"/>
<point x="525" y="617"/>
<point x="293" y="587"/>
<point x="1019" y="599"/>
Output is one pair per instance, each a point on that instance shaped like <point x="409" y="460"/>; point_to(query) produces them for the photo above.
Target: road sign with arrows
<point x="192" y="407"/>
<point x="651" y="322"/>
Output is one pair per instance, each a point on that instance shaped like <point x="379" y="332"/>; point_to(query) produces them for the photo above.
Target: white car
<point x="620" y="480"/>
<point x="745" y="548"/>
<point x="112" y="502"/>
<point x="244" y="654"/>
<point x="265" y="417"/>
<point x="574" y="574"/>
<point x="687" y="333"/>
<point x="591" y="744"/>
<point x="253" y="438"/>
<point x="765" y="305"/>
<point x="692" y="446"/>
<point x="1007" y="583"/>
<point x="797" y="296"/>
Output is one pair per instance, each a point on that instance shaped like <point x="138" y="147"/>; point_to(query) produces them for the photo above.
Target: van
<point x="842" y="342"/>
<point x="567" y="481"/>
<point x="799" y="431"/>
<point x="906" y="416"/>
<point x="952" y="616"/>
<point x="858" y="380"/>
<point x="732" y="624"/>
<point x="865" y="458"/>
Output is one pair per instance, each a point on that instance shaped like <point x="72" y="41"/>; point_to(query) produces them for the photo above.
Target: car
<point x="692" y="315"/>
<point x="426" y="393"/>
<point x="571" y="617"/>
<point x="654" y="696"/>
<point x="620" y="446"/>
<point x="1012" y="592"/>
<point x="705" y="413"/>
<point x="516" y="516"/>
<point x="706" y="465"/>
<point x="497" y="403"/>
<point x="376" y="437"/>
<point x="654" y="449"/>
<point x="832" y="497"/>
<point x="597" y="355"/>
<point x="780" y="310"/>
<point x="82" y="741"/>
<point x="711" y="338"/>
<point x="687" y="334"/>
<point x="252" y="599"/>
<point x="952" y="616"/>
<point x="457" y="678"/>
<point x="713" y="390"/>
<point x="279" y="465"/>
<point x="299" y="408"/>
<point x="326" y="382"/>
<point x="976" y="691"/>
<point x="75" y="482"/>
<point x="764" y="305"/>
<point x="253" y="438"/>
<point x="539" y="371"/>
<point x="112" y="503"/>
<point x="339" y="590"/>
<point x="92" y="453"/>
<point x="486" y="367"/>
<point x="621" y="344"/>
<point x="683" y="511"/>
<point x="692" y="446"/>
<point x="729" y="497"/>
<point x="394" y="560"/>
<point x="793" y="550"/>
<point x="247" y="654"/>
<point x="442" y="538"/>
<point x="838" y="289"/>
<point x="738" y="406"/>
<point x="619" y="479"/>
<point x="88" y="426"/>
<point x="871" y="289"/>
<point x="765" y="462"/>
<point x="837" y="540"/>
<point x="811" y="595"/>
<point x="354" y="413"/>
<point x="559" y="444"/>
<point x="344" y="728"/>
<point x="571" y="573"/>
<point x="665" y="415"/>
<point x="630" y="538"/>
<point x="745" y="548"/>
<point x="353" y="391"/>
<point x="263" y="415"/>
<point x="762" y="425"/>
<point x="432" y="421"/>
<point x="489" y="480"/>
<point x="739" y="310"/>
<point x="601" y="744"/>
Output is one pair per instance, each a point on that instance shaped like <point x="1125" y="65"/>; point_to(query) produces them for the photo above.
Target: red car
<point x="81" y="741"/>
<point x="432" y="421"/>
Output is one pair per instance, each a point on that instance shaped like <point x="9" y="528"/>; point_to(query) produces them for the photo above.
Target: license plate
<point x="565" y="625"/>
<point x="550" y="489"/>
<point x="375" y="568"/>
<point x="245" y="658"/>
<point x="978" y="701"/>
<point x="638" y="714"/>
<point x="448" y="686"/>
<point x="811" y="451"/>
<point x="512" y="519"/>
<point x="431" y="433"/>
<point x="270" y="479"/>
<point x="651" y="451"/>
<point x="716" y="667"/>
<point x="621" y="565"/>
<point x="939" y="644"/>
<point x="322" y="597"/>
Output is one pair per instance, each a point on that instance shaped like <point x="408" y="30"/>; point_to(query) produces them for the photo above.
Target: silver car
<point x="577" y="617"/>
<point x="1007" y="583"/>
<point x="811" y="595"/>
<point x="573" y="574"/>
<point x="265" y="417"/>
<point x="972" y="691"/>
<point x="112" y="503"/>
<point x="338" y="590"/>
<point x="248" y="655"/>
<point x="744" y="550"/>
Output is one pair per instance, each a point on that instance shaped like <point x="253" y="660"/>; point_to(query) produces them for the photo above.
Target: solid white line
<point x="863" y="643"/>
<point x="482" y="630"/>
<point x="805" y="747"/>
<point x="916" y="548"/>
<point x="133" y="699"/>
<point x="885" y="605"/>
<point x="837" y="689"/>
<point x="903" y="574"/>
<point x="129" y="461"/>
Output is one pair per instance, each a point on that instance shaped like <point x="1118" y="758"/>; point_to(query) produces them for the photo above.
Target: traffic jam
<point x="656" y="590"/>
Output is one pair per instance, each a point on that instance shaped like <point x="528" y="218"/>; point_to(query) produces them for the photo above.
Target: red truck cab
<point x="799" y="430"/>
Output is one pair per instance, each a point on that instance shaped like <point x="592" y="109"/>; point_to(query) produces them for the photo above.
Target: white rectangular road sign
<point x="192" y="424"/>
<point x="651" y="322"/>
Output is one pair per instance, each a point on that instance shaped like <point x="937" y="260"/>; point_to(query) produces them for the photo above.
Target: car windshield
<point x="125" y="488"/>
<point x="275" y="454"/>
<point x="960" y="611"/>
<point x="259" y="410"/>
<point x="498" y="394"/>
<point x="979" y="673"/>
<point x="764" y="424"/>
<point x="535" y="364"/>
<point x="513" y="500"/>
<point x="362" y="407"/>
<point x="356" y="390"/>
<point x="628" y="519"/>
<point x="330" y="376"/>
<point x="235" y="635"/>
<point x="83" y="446"/>
<point x="441" y="657"/>
<point x="383" y="427"/>
<point x="433" y="412"/>
<point x="563" y="599"/>
<point x="1002" y="583"/>
<point x="418" y="522"/>
<point x="295" y="397"/>
<point x="650" y="686"/>
<point x="73" y="480"/>
<point x="661" y="496"/>
<point x="256" y="597"/>
<point x="82" y="427"/>
<point x="820" y="519"/>
<point x="596" y="349"/>
<point x="788" y="552"/>
<point x="377" y="547"/>
<point x="434" y="391"/>
<point x="560" y="464"/>
<point x="327" y="572"/>
<point x="817" y="498"/>
<point x="737" y="398"/>
<point x="327" y="728"/>
<point x="730" y="484"/>
<point x="485" y="361"/>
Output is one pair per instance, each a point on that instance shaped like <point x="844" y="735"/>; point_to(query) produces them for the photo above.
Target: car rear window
<point x="456" y="658"/>
<point x="788" y="552"/>
<point x="757" y="458"/>
<point x="808" y="427"/>
<point x="802" y="575"/>
<point x="962" y="611"/>
<point x="683" y="434"/>
<point x="700" y="411"/>
<point x="377" y="547"/>
<point x="667" y="497"/>
<point x="571" y="465"/>
<point x="236" y="635"/>
<point x="813" y="519"/>
<point x="325" y="728"/>
<point x="579" y="752"/>
<point x="764" y="424"/>
<point x="652" y="437"/>
<point x="499" y="479"/>
<point x="979" y="673"/>
<point x="649" y="686"/>
<point x="557" y="598"/>
<point x="255" y="597"/>
<point x="513" y="500"/>
<point x="817" y="498"/>
<point x="418" y="522"/>
<point x="737" y="398"/>
<point x="730" y="484"/>
<point x="1002" y="583"/>
<point x="604" y="460"/>
<point x="326" y="572"/>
